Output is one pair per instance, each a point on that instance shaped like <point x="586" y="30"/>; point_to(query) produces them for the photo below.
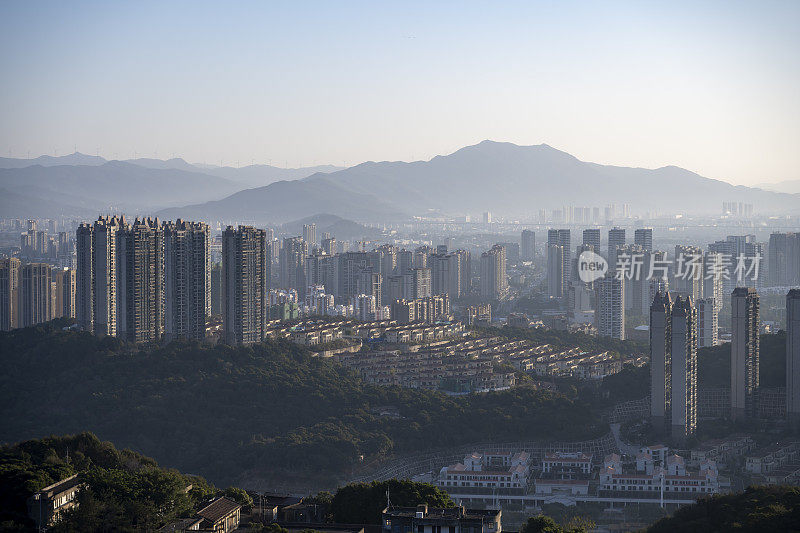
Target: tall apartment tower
<point x="713" y="274"/>
<point x="9" y="293"/>
<point x="96" y="282"/>
<point x="745" y="349"/>
<point x="558" y="275"/>
<point x="591" y="236"/>
<point x="527" y="246"/>
<point x="673" y="370"/>
<point x="140" y="280"/>
<point x="34" y="294"/>
<point x="187" y="280"/>
<point x="616" y="238"/>
<point x="644" y="237"/>
<point x="707" y="322"/>
<point x="310" y="235"/>
<point x="64" y="297"/>
<point x="370" y="283"/>
<point x="783" y="262"/>
<point x="793" y="357"/>
<point x="418" y="283"/>
<point x="661" y="360"/>
<point x="644" y="289"/>
<point x="244" y="283"/>
<point x="494" y="284"/>
<point x="446" y="274"/>
<point x="555" y="271"/>
<point x="610" y="312"/>
<point x="292" y="264"/>
<point x="465" y="271"/>
<point x="687" y="277"/>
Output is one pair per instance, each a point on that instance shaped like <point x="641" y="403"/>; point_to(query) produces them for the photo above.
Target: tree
<point x="240" y="496"/>
<point x="541" y="524"/>
<point x="362" y="503"/>
<point x="545" y="524"/>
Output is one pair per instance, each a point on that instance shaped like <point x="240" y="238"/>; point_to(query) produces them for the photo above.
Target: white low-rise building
<point x="502" y="471"/>
<point x="673" y="479"/>
<point x="572" y="461"/>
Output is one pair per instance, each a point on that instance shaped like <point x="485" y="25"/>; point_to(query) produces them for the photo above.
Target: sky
<point x="709" y="86"/>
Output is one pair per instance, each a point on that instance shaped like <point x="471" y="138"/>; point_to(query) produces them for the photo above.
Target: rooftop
<point x="218" y="509"/>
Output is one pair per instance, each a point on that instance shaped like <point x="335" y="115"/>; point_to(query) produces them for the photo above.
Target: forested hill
<point x="127" y="491"/>
<point x="264" y="411"/>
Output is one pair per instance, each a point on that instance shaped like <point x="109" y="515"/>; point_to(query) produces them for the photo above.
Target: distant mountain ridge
<point x="287" y="200"/>
<point x="81" y="185"/>
<point x="114" y="184"/>
<point x="490" y="176"/>
<point x="514" y="180"/>
<point x="76" y="158"/>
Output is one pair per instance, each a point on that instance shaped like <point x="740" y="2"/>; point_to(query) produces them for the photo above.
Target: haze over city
<point x="710" y="87"/>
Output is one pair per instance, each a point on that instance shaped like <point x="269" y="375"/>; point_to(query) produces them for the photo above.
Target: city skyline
<point x="277" y="83"/>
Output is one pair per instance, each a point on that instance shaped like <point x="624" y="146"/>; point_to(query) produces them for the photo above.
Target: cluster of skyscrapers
<point x="674" y="328"/>
<point x="32" y="293"/>
<point x="144" y="280"/>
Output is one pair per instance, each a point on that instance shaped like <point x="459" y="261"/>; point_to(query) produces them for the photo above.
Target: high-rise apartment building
<point x="417" y="283"/>
<point x="527" y="247"/>
<point x="713" y="275"/>
<point x="465" y="265"/>
<point x="63" y="293"/>
<point x="745" y="350"/>
<point x="140" y="281"/>
<point x="555" y="271"/>
<point x="329" y="245"/>
<point x="292" y="264"/>
<point x="494" y="284"/>
<point x="687" y="275"/>
<point x="96" y="282"/>
<point x="746" y="261"/>
<point x="651" y="277"/>
<point x="591" y="236"/>
<point x="793" y="357"/>
<point x="349" y="267"/>
<point x="673" y="366"/>
<point x="446" y="272"/>
<point x="644" y="237"/>
<point x="244" y="284"/>
<point x="610" y="303"/>
<point x="9" y="293"/>
<point x="707" y="322"/>
<point x="187" y="279"/>
<point x="559" y="262"/>
<point x="310" y="235"/>
<point x="370" y="283"/>
<point x="35" y="292"/>
<point x="616" y="238"/>
<point x="783" y="263"/>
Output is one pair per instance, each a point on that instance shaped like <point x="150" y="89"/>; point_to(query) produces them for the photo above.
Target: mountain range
<point x="83" y="185"/>
<point x="490" y="176"/>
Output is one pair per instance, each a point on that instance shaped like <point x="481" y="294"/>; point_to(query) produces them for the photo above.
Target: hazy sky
<point x="713" y="87"/>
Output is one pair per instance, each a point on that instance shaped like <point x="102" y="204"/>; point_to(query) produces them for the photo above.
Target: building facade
<point x="793" y="357"/>
<point x="745" y="351"/>
<point x="244" y="284"/>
